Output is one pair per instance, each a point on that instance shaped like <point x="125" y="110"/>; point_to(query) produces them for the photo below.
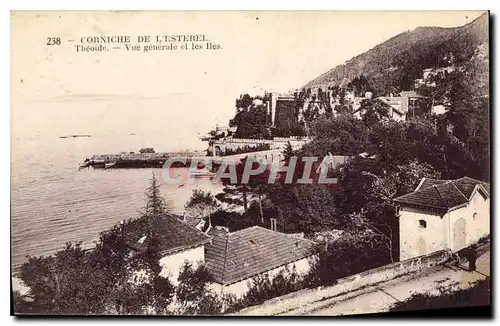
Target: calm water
<point x="52" y="202"/>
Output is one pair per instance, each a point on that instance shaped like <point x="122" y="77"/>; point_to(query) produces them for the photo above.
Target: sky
<point x="272" y="51"/>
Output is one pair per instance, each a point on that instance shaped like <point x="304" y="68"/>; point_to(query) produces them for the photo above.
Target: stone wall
<point x="347" y="284"/>
<point x="276" y="143"/>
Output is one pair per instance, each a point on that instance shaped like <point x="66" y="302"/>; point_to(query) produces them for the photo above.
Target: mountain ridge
<point x="400" y="59"/>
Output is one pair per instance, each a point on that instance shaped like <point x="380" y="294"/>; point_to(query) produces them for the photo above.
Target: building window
<point x="474" y="217"/>
<point x="422" y="224"/>
<point x="273" y="224"/>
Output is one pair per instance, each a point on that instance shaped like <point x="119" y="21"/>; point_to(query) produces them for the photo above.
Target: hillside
<point x="401" y="59"/>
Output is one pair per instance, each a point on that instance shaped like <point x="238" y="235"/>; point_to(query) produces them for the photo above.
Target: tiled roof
<point x="427" y="182"/>
<point x="442" y="195"/>
<point x="172" y="233"/>
<point x="232" y="257"/>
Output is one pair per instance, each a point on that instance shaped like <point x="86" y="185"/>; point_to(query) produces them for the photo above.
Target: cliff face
<point x="401" y="59"/>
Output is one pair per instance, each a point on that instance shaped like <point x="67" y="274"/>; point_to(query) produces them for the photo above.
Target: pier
<point x="157" y="160"/>
<point x="131" y="160"/>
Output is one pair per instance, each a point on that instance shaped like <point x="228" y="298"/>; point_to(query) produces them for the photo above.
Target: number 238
<point x="53" y="41"/>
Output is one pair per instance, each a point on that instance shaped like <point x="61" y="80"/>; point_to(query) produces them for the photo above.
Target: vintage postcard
<point x="250" y="163"/>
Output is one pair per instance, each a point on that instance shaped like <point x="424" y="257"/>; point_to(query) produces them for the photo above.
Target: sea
<point x="53" y="202"/>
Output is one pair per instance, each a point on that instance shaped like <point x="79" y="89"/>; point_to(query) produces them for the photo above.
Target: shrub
<point x="477" y="295"/>
<point x="265" y="287"/>
<point x="193" y="293"/>
<point x="343" y="258"/>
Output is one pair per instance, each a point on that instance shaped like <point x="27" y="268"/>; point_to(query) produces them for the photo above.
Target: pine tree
<point x="156" y="204"/>
<point x="288" y="151"/>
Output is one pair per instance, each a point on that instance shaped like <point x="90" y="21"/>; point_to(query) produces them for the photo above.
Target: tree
<point x="156" y="205"/>
<point x="105" y="280"/>
<point x="466" y="118"/>
<point x="288" y="151"/>
<point x="63" y="283"/>
<point x="311" y="112"/>
<point x="250" y="119"/>
<point x="234" y="195"/>
<point x="374" y="111"/>
<point x="102" y="281"/>
<point x="146" y="291"/>
<point x="353" y="253"/>
<point x="342" y="106"/>
<point x="201" y="204"/>
<point x="235" y="221"/>
<point x="468" y="113"/>
<point x="340" y="135"/>
<point x="193" y="292"/>
<point x="324" y="101"/>
<point x="302" y="208"/>
<point x="374" y="184"/>
<point x="359" y="85"/>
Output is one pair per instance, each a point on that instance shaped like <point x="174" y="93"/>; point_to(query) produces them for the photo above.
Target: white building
<point x="234" y="259"/>
<point x="443" y="214"/>
<point x="177" y="241"/>
<point x="399" y="107"/>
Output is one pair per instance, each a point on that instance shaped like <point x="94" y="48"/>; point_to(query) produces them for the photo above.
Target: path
<point x="381" y="297"/>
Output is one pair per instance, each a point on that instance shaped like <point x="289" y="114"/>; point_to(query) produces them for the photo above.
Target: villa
<point x="443" y="214"/>
<point x="235" y="258"/>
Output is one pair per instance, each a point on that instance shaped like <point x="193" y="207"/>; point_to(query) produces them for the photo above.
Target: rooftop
<point x="172" y="233"/>
<point x="443" y="195"/>
<point x="236" y="256"/>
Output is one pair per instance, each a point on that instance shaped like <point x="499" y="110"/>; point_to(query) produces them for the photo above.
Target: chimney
<point x="122" y="231"/>
<point x="273" y="224"/>
<point x="209" y="225"/>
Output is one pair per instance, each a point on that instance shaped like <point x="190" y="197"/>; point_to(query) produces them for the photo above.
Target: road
<point x="380" y="298"/>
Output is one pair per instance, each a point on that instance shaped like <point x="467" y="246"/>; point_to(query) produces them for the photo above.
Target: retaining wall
<point x="347" y="284"/>
<point x="277" y="142"/>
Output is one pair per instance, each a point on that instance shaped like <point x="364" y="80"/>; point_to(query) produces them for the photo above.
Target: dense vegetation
<point x="479" y="294"/>
<point x="399" y="155"/>
<point x="111" y="280"/>
<point x="253" y="121"/>
<point x="396" y="155"/>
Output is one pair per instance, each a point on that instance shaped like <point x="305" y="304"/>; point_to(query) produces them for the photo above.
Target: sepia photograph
<point x="250" y="163"/>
